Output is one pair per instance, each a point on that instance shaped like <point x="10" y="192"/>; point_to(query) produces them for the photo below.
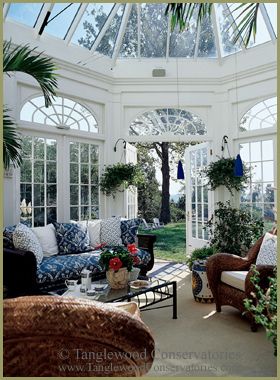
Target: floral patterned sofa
<point x="62" y="250"/>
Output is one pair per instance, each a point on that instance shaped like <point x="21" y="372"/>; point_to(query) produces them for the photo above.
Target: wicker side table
<point x="200" y="286"/>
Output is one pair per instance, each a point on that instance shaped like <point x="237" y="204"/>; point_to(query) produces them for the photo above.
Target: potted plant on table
<point x="118" y="262"/>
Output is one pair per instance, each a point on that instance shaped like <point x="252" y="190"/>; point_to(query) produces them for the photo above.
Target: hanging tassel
<point x="238" y="167"/>
<point x="180" y="171"/>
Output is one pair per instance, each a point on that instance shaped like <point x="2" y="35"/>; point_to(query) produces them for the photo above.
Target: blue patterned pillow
<point x="129" y="229"/>
<point x="71" y="238"/>
<point x="8" y="236"/>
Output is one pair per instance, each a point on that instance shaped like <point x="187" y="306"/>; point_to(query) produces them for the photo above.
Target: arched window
<point x="167" y="121"/>
<point x="262" y="115"/>
<point x="63" y="114"/>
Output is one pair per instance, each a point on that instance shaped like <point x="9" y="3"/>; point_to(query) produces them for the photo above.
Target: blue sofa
<point x="22" y="275"/>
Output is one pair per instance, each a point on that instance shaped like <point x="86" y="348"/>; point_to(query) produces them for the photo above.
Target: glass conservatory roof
<point x="140" y="30"/>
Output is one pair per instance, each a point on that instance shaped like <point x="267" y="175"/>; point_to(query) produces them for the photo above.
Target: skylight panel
<point x="107" y="43"/>
<point x="238" y="14"/>
<point x="130" y="39"/>
<point x="154" y="26"/>
<point x="226" y="29"/>
<point x="182" y="44"/>
<point x="91" y="24"/>
<point x="262" y="34"/>
<point x="60" y="25"/>
<point x="25" y="13"/>
<point x="206" y="44"/>
<point x="271" y="9"/>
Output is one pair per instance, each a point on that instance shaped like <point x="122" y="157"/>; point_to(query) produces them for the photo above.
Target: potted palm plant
<point x="42" y="69"/>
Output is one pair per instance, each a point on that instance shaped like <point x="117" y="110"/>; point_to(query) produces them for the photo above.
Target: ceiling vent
<point x="158" y="73"/>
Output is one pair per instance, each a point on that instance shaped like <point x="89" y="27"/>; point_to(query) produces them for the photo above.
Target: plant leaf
<point x="11" y="142"/>
<point x="23" y="59"/>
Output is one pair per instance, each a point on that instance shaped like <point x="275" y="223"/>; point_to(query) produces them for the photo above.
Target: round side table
<point x="200" y="286"/>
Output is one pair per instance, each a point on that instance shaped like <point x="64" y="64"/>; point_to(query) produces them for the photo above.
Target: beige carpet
<point x="204" y="343"/>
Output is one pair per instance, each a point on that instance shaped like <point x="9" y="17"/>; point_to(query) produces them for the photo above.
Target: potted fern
<point x="119" y="177"/>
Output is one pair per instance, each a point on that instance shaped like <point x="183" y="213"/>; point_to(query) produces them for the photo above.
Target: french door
<point x="198" y="197"/>
<point x="131" y="195"/>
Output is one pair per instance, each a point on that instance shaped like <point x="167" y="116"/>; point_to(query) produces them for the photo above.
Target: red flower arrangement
<point x="115" y="263"/>
<point x="119" y="257"/>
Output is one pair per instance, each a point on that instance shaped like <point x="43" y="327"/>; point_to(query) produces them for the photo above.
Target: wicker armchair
<point x="61" y="336"/>
<point x="225" y="294"/>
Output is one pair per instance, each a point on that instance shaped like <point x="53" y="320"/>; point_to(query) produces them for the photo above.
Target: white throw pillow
<point x="110" y="231"/>
<point x="47" y="239"/>
<point x="268" y="251"/>
<point x="94" y="227"/>
<point x="25" y="239"/>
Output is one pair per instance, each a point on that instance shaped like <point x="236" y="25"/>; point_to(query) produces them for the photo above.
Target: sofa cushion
<point x="62" y="267"/>
<point x="71" y="238"/>
<point x="110" y="231"/>
<point x="47" y="238"/>
<point x="268" y="250"/>
<point x="25" y="239"/>
<point x="129" y="229"/>
<point x="143" y="256"/>
<point x="93" y="227"/>
<point x="8" y="236"/>
<point x="236" y="279"/>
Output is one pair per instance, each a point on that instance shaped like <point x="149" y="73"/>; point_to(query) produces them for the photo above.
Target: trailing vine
<point x="221" y="172"/>
<point x="120" y="176"/>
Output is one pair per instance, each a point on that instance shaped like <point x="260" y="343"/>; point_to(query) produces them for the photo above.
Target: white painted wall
<point x="220" y="93"/>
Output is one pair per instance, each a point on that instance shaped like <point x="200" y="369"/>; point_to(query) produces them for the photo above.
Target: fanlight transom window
<point x="167" y="121"/>
<point x="262" y="115"/>
<point x="63" y="113"/>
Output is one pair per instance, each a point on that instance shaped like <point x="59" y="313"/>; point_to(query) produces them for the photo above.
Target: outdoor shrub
<point x="233" y="230"/>
<point x="265" y="308"/>
<point x="200" y="254"/>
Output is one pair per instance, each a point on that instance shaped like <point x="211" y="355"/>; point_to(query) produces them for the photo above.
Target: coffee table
<point x="157" y="292"/>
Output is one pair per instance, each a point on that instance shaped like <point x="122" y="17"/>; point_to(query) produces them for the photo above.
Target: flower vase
<point x="117" y="279"/>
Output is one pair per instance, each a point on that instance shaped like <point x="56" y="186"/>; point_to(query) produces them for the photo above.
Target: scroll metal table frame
<point x="162" y="289"/>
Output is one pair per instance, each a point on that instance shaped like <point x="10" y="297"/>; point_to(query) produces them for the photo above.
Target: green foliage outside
<point x="178" y="210"/>
<point x="200" y="254"/>
<point x="149" y="195"/>
<point x="233" y="230"/>
<point x="265" y="309"/>
<point x="171" y="242"/>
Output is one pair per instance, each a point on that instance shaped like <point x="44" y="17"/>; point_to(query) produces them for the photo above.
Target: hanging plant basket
<point x="221" y="172"/>
<point x="119" y="177"/>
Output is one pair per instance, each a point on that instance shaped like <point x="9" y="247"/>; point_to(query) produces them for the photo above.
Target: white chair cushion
<point x="268" y="251"/>
<point x="47" y="239"/>
<point x="235" y="278"/>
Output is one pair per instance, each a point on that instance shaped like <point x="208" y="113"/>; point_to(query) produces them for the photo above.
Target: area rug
<point x="202" y="342"/>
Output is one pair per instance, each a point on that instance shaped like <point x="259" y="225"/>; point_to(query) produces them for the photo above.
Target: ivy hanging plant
<point x="221" y="172"/>
<point x="120" y="176"/>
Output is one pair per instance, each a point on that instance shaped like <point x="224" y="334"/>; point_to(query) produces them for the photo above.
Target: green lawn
<point x="171" y="242"/>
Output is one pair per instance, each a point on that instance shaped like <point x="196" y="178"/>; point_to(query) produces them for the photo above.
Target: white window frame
<point x="257" y="138"/>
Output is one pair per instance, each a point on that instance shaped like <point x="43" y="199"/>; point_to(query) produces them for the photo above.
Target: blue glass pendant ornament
<point x="238" y="167"/>
<point x="180" y="171"/>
